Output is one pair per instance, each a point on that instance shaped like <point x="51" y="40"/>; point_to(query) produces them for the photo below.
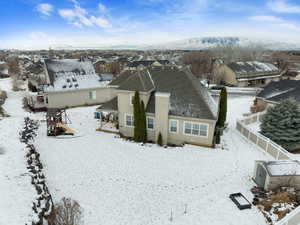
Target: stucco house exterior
<point x="275" y="92"/>
<point x="247" y="74"/>
<point x="70" y="83"/>
<point x="176" y="105"/>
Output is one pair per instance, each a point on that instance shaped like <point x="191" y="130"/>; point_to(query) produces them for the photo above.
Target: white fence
<point x="264" y="143"/>
<point x="271" y="148"/>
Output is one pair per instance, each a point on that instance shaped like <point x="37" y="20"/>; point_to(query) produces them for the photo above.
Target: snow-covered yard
<point x="120" y="182"/>
<point x="16" y="191"/>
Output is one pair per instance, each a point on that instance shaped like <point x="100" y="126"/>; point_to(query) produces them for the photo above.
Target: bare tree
<point x="67" y="212"/>
<point x="14" y="71"/>
<point x="200" y="62"/>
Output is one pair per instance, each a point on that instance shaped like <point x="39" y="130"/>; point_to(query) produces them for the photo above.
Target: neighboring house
<point x="247" y="74"/>
<point x="3" y="70"/>
<point x="293" y="71"/>
<point x="177" y="105"/>
<point x="147" y="63"/>
<point x="275" y="92"/>
<point x="73" y="82"/>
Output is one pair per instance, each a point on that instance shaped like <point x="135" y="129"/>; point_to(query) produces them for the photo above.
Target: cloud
<point x="283" y="6"/>
<point x="45" y="9"/>
<point x="266" y="18"/>
<point x="79" y="17"/>
<point x="103" y="9"/>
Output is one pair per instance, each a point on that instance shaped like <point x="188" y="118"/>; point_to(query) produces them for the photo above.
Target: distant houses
<point x="176" y="105"/>
<point x="247" y="74"/>
<point x="275" y="92"/>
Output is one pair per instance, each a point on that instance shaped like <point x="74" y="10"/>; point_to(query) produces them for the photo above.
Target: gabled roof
<point x="188" y="98"/>
<point x="252" y="67"/>
<point x="71" y="74"/>
<point x="277" y="91"/>
<point x="141" y="80"/>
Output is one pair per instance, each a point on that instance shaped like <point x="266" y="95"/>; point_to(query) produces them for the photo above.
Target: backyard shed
<point x="274" y="174"/>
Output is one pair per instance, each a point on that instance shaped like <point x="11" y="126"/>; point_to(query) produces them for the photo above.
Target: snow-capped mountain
<point x="209" y="42"/>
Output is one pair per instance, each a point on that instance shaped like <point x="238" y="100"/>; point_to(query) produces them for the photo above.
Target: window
<point x="173" y="126"/>
<point x="92" y="95"/>
<point x="150" y="123"/>
<point x="131" y="99"/>
<point x="196" y="129"/>
<point x="129" y="120"/>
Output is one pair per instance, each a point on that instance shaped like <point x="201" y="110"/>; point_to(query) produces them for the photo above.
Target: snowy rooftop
<point x="284" y="167"/>
<point x="251" y="67"/>
<point x="71" y="74"/>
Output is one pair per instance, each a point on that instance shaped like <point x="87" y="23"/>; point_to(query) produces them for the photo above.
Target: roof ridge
<point x="140" y="77"/>
<point x="150" y="76"/>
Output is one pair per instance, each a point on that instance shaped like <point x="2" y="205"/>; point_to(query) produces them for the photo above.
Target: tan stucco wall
<point x="124" y="107"/>
<point x="180" y="138"/>
<point x="78" y="97"/>
<point x="275" y="182"/>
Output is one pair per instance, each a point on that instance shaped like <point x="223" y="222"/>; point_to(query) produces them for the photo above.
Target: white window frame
<point x="150" y="117"/>
<point x="131" y="99"/>
<point x="92" y="95"/>
<point x="199" y="124"/>
<point x="125" y="120"/>
<point x="177" y="129"/>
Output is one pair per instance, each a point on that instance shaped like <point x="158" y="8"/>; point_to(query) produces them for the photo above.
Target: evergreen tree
<point x="281" y="124"/>
<point x="222" y="108"/>
<point x="143" y="123"/>
<point x="137" y="117"/>
<point x="159" y="139"/>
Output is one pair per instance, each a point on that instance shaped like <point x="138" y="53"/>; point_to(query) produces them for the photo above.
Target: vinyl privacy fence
<point x="271" y="148"/>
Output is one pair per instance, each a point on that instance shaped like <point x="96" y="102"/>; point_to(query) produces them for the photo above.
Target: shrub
<point x="159" y="139"/>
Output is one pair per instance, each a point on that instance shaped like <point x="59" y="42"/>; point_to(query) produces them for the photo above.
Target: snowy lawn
<point x="120" y="182"/>
<point x="16" y="191"/>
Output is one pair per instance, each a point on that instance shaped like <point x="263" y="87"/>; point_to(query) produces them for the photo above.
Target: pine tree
<point x="143" y="123"/>
<point x="159" y="139"/>
<point x="222" y="108"/>
<point x="281" y="124"/>
<point x="137" y="117"/>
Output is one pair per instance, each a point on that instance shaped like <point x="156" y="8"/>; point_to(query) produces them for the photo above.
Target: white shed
<point x="274" y="174"/>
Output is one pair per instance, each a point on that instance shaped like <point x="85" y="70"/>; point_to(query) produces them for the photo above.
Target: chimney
<point x="162" y="101"/>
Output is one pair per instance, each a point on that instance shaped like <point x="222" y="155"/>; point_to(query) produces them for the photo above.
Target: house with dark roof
<point x="177" y="105"/>
<point x="73" y="82"/>
<point x="247" y="74"/>
<point x="276" y="92"/>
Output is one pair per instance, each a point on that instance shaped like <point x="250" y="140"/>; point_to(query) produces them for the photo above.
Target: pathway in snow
<point x="120" y="182"/>
<point x="16" y="191"/>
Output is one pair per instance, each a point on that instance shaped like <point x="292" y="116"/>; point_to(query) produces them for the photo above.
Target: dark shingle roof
<point x="139" y="81"/>
<point x="188" y="97"/>
<point x="121" y="78"/>
<point x="277" y="91"/>
<point x="111" y="105"/>
<point x="147" y="62"/>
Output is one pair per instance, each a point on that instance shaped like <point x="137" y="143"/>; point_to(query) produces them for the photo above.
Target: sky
<point x="98" y="23"/>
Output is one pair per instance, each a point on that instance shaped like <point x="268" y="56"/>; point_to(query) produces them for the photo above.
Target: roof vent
<point x="64" y="86"/>
<point x="74" y="79"/>
<point x="68" y="80"/>
<point x="76" y="85"/>
<point x="71" y="85"/>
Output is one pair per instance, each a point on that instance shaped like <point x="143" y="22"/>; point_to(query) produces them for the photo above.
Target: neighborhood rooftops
<point x="147" y="63"/>
<point x="71" y="74"/>
<point x="188" y="97"/>
<point x="252" y="67"/>
<point x="277" y="91"/>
